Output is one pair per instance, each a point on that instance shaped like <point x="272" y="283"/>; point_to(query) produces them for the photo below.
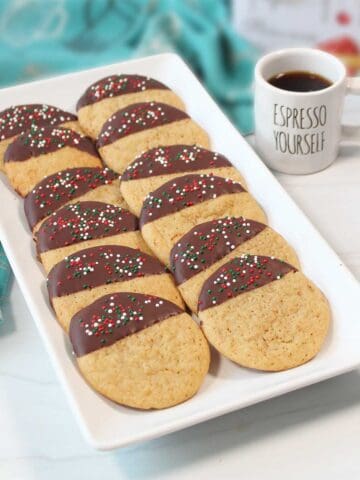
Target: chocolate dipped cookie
<point x="83" y="225"/>
<point x="263" y="313"/>
<point x="159" y="165"/>
<point x="202" y="250"/>
<point x="83" y="277"/>
<point x="184" y="202"/>
<point x="108" y="95"/>
<point x="139" y="350"/>
<point x="142" y="126"/>
<point x="71" y="185"/>
<point x="17" y="119"/>
<point x="42" y="151"/>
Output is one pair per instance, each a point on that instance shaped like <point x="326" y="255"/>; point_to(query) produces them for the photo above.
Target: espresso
<point x="299" y="81"/>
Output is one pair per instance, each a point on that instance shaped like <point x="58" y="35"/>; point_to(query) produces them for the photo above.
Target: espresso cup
<point x="300" y="132"/>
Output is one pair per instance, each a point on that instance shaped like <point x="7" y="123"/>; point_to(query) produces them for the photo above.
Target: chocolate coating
<point x="16" y="120"/>
<point x="97" y="266"/>
<point x="55" y="190"/>
<point x="173" y="159"/>
<point x="208" y="243"/>
<point x="184" y="192"/>
<point x="116" y="85"/>
<point x="60" y="188"/>
<point x="42" y="140"/>
<point x="241" y="275"/>
<point x="83" y="221"/>
<point x="114" y="317"/>
<point x="138" y="117"/>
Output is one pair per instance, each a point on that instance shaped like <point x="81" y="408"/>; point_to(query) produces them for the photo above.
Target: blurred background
<point x="220" y="39"/>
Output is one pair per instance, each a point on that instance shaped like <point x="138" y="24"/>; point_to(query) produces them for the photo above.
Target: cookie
<point x="184" y="202"/>
<point x="108" y="95"/>
<point x="42" y="151"/>
<point x="159" y="165"/>
<point x="142" y="126"/>
<point x="84" y="276"/>
<point x="139" y="350"/>
<point x="67" y="186"/>
<point x="83" y="225"/>
<point x="16" y="120"/>
<point x="263" y="313"/>
<point x="202" y="250"/>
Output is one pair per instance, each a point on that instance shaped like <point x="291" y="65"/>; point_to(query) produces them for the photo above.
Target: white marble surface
<point x="312" y="433"/>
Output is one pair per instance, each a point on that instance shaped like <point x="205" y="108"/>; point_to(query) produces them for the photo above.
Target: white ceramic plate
<point x="227" y="386"/>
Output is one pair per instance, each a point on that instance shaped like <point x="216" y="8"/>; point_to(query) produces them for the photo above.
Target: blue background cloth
<point x="5" y="275"/>
<point x="44" y="37"/>
<point x="40" y="38"/>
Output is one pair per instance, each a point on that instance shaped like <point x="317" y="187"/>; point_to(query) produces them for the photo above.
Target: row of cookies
<point x="136" y="128"/>
<point x="183" y="192"/>
<point x="62" y="228"/>
<point x="213" y="235"/>
<point x="117" y="271"/>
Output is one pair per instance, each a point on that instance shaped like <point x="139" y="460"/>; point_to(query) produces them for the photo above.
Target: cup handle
<point x="350" y="134"/>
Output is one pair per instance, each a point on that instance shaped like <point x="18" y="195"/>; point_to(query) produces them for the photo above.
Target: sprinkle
<point x="207" y="243"/>
<point x="40" y="140"/>
<point x="173" y="159"/>
<point x="130" y="313"/>
<point x="184" y="192"/>
<point x="115" y="85"/>
<point x="240" y="275"/>
<point x="16" y="120"/>
<point x="137" y="117"/>
<point x="62" y="187"/>
<point x="84" y="221"/>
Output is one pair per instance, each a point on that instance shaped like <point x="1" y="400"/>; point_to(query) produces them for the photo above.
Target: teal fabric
<point x="5" y="275"/>
<point x="40" y="38"/>
<point x="44" y="37"/>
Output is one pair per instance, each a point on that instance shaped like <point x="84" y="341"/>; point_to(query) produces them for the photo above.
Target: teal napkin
<point x="5" y="275"/>
<point x="41" y="38"/>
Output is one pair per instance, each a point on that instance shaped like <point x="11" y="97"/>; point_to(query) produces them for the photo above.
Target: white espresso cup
<point x="300" y="132"/>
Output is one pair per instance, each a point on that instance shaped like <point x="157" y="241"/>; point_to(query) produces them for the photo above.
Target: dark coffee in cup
<point x="299" y="98"/>
<point x="299" y="81"/>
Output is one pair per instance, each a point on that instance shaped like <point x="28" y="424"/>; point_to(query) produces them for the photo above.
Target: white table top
<point x="311" y="433"/>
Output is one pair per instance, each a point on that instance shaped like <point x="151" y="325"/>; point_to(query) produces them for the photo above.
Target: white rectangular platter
<point x="227" y="386"/>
